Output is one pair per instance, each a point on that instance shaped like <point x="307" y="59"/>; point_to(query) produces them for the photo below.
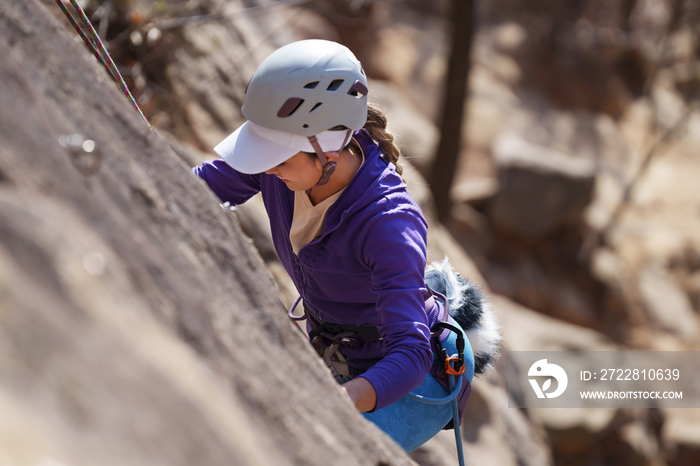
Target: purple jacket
<point x="366" y="269"/>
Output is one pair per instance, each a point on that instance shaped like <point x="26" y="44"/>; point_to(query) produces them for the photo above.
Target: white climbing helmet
<point x="295" y="97"/>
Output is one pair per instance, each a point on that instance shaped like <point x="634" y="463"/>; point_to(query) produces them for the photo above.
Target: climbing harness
<point x="339" y="335"/>
<point x="93" y="42"/>
<point x="453" y="366"/>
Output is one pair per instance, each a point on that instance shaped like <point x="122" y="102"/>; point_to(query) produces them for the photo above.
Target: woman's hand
<point x="362" y="393"/>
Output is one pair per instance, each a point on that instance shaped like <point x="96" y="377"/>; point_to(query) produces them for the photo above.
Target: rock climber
<point x="351" y="238"/>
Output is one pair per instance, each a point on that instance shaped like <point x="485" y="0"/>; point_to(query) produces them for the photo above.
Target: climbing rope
<point x="451" y="398"/>
<point x="93" y="42"/>
<point x="453" y="372"/>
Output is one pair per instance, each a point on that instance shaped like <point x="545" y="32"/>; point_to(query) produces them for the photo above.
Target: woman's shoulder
<point x="392" y="212"/>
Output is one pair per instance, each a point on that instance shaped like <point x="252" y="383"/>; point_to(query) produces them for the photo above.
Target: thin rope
<point x="452" y="399"/>
<point x="455" y="420"/>
<point x="76" y="26"/>
<point x="100" y="51"/>
<point x="454" y="391"/>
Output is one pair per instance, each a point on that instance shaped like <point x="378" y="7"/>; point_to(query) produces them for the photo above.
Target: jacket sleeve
<point x="395" y="251"/>
<point x="228" y="184"/>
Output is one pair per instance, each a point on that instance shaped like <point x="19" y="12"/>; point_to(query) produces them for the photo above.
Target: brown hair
<point x="376" y="127"/>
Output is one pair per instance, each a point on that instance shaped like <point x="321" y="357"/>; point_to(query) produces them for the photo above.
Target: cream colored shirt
<point x="310" y="220"/>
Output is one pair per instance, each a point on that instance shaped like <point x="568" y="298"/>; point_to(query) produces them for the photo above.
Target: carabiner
<point x="459" y="366"/>
<point x="459" y="363"/>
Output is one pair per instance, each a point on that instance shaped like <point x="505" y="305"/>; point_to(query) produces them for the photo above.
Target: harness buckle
<point x="349" y="341"/>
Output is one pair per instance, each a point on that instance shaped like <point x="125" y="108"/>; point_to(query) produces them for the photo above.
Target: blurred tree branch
<point x="443" y="169"/>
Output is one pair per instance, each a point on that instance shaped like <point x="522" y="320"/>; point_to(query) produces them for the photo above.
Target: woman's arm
<point x="228" y="184"/>
<point x="395" y="252"/>
<point x="362" y="394"/>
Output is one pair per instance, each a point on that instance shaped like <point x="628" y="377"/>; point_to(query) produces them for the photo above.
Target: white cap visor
<point x="254" y="149"/>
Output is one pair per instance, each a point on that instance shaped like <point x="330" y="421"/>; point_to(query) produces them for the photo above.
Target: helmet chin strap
<point x="328" y="166"/>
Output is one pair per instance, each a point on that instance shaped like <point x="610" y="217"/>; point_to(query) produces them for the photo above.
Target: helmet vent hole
<point x="318" y="104"/>
<point x="311" y="85"/>
<point x="358" y="89"/>
<point x="289" y="107"/>
<point x="305" y="125"/>
<point x="334" y="85"/>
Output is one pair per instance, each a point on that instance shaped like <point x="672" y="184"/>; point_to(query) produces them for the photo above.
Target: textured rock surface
<point x="137" y="322"/>
<point x="190" y="81"/>
<point x="540" y="190"/>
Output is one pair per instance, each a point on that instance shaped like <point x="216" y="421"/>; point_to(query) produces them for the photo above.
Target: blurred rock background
<point x="575" y="201"/>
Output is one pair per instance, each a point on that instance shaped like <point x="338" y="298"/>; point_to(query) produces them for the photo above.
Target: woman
<point x="346" y="231"/>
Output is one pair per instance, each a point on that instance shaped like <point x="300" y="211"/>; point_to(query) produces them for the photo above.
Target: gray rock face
<point x="136" y="322"/>
<point x="540" y="189"/>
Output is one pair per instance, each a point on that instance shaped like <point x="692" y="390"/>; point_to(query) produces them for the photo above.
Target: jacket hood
<point x="375" y="179"/>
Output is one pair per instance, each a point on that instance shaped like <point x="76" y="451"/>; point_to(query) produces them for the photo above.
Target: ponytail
<point x="376" y="127"/>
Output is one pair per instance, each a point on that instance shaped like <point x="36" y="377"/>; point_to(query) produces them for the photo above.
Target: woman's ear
<point x="333" y="156"/>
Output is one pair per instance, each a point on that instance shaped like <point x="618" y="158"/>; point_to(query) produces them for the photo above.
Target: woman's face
<point x="300" y="173"/>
